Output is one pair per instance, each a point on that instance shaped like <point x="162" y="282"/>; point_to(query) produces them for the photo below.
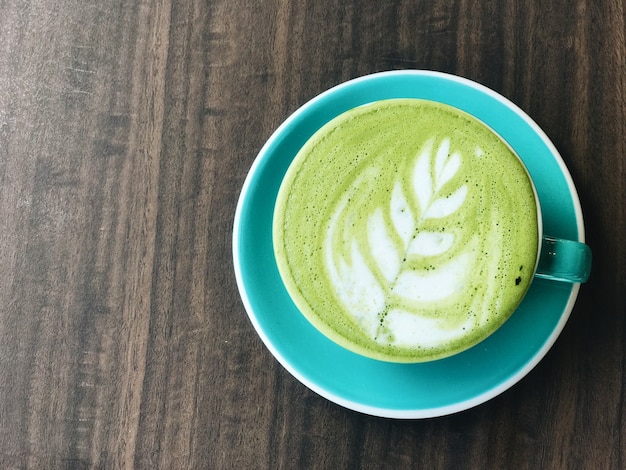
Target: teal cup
<point x="433" y="388"/>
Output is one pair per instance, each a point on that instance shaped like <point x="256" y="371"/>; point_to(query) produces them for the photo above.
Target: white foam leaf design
<point x="430" y="286"/>
<point x="446" y="206"/>
<point x="379" y="276"/>
<point x="401" y="215"/>
<point x="386" y="256"/>
<point x="430" y="243"/>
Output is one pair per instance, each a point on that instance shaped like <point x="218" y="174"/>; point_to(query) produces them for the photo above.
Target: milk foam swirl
<point x="376" y="281"/>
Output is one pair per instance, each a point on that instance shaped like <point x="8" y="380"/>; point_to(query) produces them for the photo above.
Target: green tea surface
<point x="406" y="230"/>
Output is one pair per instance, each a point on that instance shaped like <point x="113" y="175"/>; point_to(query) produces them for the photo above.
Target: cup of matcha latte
<point x="407" y="230"/>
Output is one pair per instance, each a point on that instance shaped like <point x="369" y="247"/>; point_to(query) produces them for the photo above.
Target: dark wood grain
<point x="126" y="131"/>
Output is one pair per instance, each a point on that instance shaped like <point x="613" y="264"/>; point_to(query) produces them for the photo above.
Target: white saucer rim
<point x="424" y="412"/>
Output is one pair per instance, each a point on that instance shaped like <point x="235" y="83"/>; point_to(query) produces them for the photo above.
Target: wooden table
<point x="126" y="131"/>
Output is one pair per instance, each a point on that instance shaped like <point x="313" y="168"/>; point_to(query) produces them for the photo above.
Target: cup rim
<point x="303" y="304"/>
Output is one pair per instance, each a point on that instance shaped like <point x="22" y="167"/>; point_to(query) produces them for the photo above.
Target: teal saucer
<point x="403" y="390"/>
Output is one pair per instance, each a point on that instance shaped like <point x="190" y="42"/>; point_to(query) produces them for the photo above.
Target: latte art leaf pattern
<point x="387" y="278"/>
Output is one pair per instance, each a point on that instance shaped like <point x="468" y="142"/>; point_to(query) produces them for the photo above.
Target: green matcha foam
<point x="406" y="230"/>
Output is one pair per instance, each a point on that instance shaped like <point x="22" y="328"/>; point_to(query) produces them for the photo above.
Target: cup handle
<point x="564" y="260"/>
